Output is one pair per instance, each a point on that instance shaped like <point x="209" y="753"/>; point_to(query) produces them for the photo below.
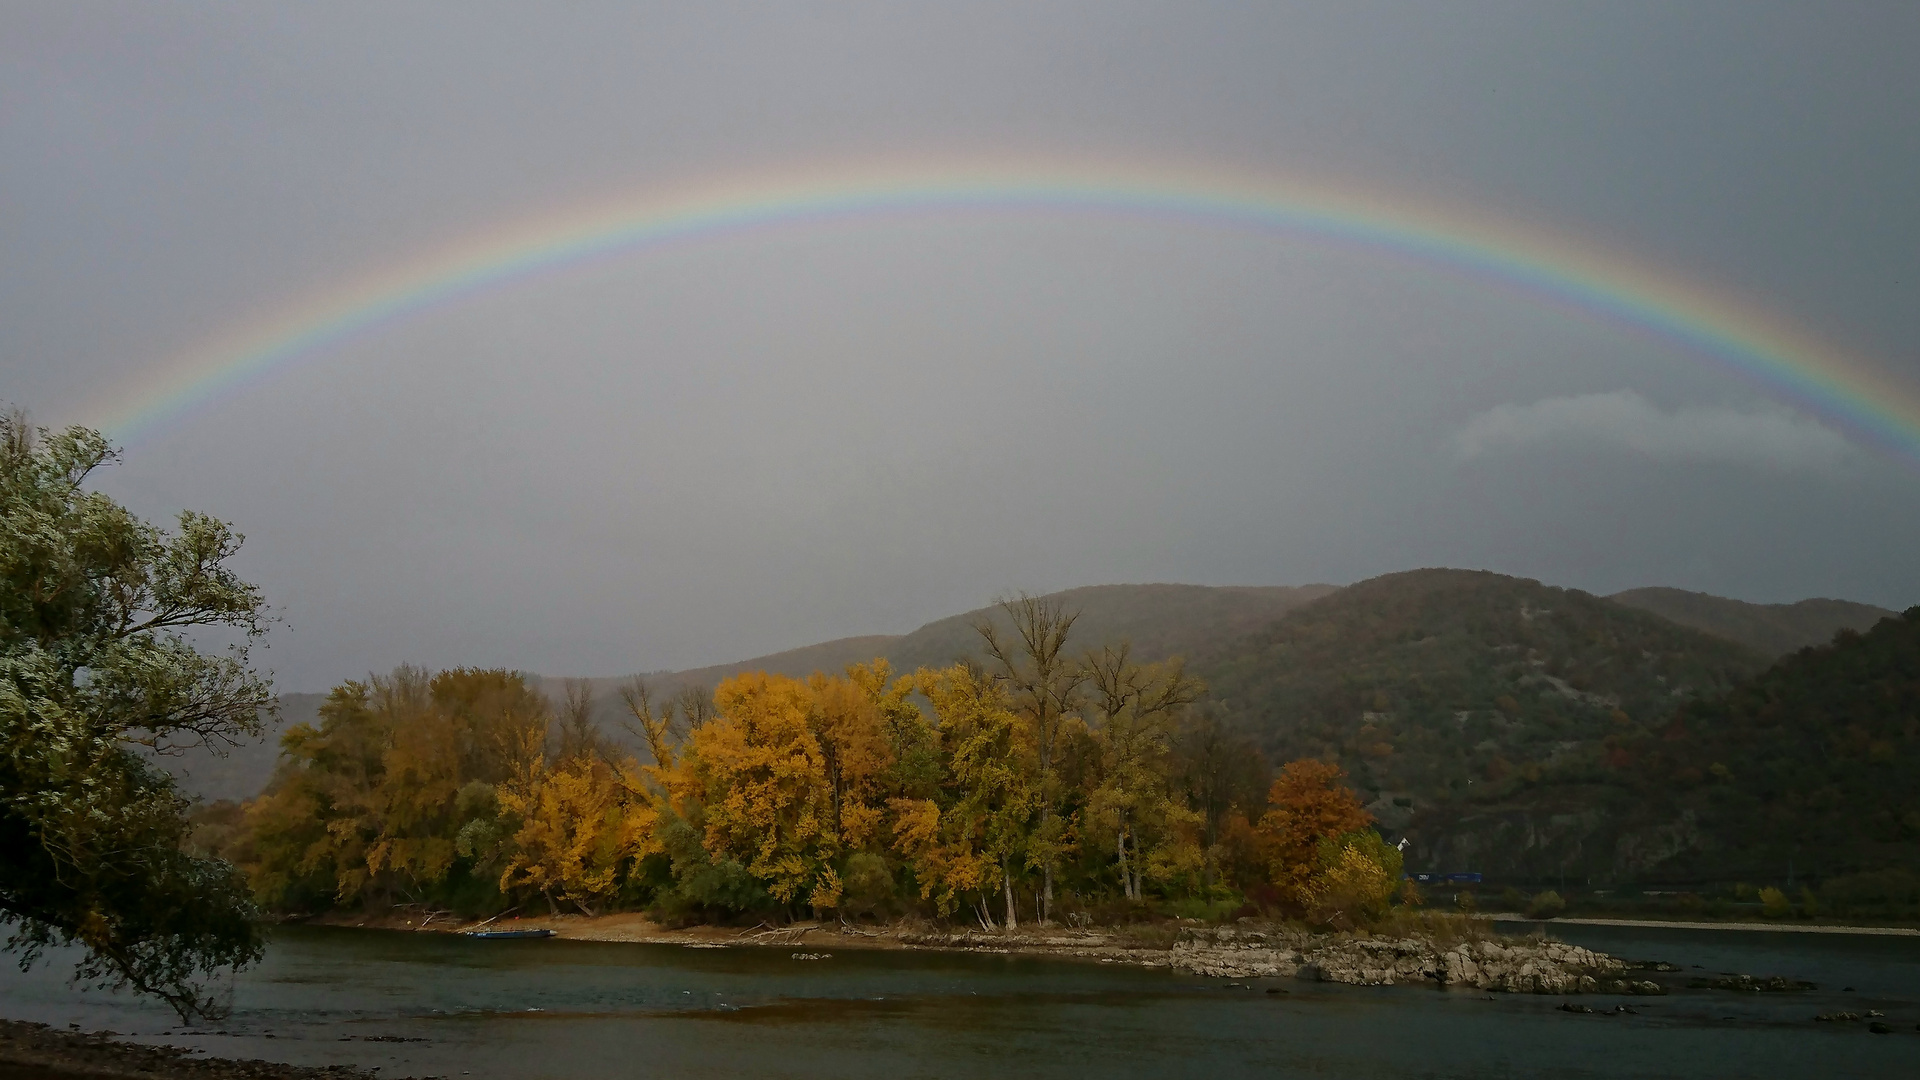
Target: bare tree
<point x="1044" y="685"/>
<point x="654" y="729"/>
<point x="695" y="704"/>
<point x="580" y="734"/>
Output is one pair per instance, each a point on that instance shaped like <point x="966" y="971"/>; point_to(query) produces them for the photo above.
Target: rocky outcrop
<point x="1521" y="967"/>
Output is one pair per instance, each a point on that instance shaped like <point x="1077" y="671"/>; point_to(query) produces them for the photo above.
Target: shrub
<point x="1546" y="905"/>
<point x="1359" y="874"/>
<point x="1774" y="903"/>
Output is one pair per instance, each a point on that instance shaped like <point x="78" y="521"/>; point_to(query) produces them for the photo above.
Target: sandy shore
<point x="1146" y="945"/>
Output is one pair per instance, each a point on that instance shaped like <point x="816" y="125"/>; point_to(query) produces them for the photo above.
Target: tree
<point x="967" y="838"/>
<point x="1223" y="775"/>
<point x="1310" y="803"/>
<point x="1043" y="683"/>
<point x="1359" y="874"/>
<point x="96" y="607"/>
<point x="396" y="785"/>
<point x="768" y="800"/>
<point x="1136" y="707"/>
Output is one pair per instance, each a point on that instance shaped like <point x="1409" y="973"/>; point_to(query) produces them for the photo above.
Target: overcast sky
<point x="698" y="454"/>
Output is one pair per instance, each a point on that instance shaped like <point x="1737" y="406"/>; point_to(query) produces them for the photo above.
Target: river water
<point x="433" y="1005"/>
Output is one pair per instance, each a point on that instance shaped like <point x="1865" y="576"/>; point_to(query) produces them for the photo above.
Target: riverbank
<point x="1671" y="924"/>
<point x="38" y="1052"/>
<point x="1448" y="950"/>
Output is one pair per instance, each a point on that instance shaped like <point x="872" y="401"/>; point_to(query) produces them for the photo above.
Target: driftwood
<point x="484" y="922"/>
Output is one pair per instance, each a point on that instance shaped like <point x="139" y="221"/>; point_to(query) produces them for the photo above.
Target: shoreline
<point x="1147" y="947"/>
<point x="32" y="1051"/>
<point x="1675" y="924"/>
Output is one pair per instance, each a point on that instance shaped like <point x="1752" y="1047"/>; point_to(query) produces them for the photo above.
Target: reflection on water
<point x="431" y="1005"/>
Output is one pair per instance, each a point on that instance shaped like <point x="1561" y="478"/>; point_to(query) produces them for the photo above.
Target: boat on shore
<point x="507" y="935"/>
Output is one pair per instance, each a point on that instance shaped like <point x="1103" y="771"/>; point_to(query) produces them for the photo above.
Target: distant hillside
<point x="1807" y="769"/>
<point x="1771" y="629"/>
<point x="243" y="770"/>
<point x="1426" y="684"/>
<point x="1161" y="621"/>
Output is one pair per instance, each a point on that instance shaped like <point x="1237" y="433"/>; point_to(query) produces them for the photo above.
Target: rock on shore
<point x="1521" y="967"/>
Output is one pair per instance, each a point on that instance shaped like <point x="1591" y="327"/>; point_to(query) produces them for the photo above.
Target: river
<point x="427" y="1004"/>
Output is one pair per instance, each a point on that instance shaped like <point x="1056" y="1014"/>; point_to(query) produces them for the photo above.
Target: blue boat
<point x="508" y="935"/>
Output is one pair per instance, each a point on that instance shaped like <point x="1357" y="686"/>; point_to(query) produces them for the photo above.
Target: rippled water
<point x="431" y="1005"/>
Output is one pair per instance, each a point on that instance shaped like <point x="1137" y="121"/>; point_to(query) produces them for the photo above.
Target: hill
<point x="1428" y="684"/>
<point x="1804" y="770"/>
<point x="1770" y="629"/>
<point x="1162" y="621"/>
<point x="241" y="771"/>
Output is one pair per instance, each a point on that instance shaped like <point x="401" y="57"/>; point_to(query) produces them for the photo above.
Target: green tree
<point x="96" y="607"/>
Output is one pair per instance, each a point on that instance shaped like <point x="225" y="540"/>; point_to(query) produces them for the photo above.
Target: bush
<point x="1546" y="905"/>
<point x="1773" y="903"/>
<point x="868" y="885"/>
<point x="1358" y="876"/>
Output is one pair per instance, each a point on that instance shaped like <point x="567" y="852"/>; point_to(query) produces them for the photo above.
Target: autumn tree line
<point x="1038" y="784"/>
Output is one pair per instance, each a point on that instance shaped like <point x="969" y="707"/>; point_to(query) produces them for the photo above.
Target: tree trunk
<point x="1120" y="845"/>
<point x="980" y="911"/>
<point x="1046" y="896"/>
<point x="1013" y="916"/>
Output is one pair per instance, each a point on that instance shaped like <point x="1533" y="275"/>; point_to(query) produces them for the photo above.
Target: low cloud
<point x="1769" y="437"/>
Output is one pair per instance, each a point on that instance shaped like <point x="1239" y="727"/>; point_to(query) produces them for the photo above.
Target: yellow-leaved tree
<point x="580" y="824"/>
<point x="968" y="840"/>
<point x="766" y="793"/>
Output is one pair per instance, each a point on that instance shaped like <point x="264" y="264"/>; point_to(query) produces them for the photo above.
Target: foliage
<point x="95" y="609"/>
<point x="1442" y="685"/>
<point x="952" y="790"/>
<point x="1546" y="905"/>
<point x="1803" y="770"/>
<point x="1355" y="881"/>
<point x="1310" y="805"/>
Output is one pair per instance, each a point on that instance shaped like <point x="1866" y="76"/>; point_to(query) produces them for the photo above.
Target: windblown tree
<point x="96" y="660"/>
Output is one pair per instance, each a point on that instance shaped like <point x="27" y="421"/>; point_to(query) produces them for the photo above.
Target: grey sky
<point x="742" y="445"/>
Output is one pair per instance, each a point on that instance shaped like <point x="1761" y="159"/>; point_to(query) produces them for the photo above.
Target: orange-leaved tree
<point x="1309" y="802"/>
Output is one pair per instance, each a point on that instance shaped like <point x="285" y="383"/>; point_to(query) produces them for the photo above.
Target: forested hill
<point x="1427" y="683"/>
<point x="1771" y="629"/>
<point x="1815" y="761"/>
<point x="1160" y="620"/>
<point x="1807" y="769"/>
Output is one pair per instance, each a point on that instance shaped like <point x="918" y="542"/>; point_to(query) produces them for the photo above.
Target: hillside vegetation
<point x="1427" y="684"/>
<point x="1161" y="621"/>
<point x="1770" y="629"/>
<point x="1805" y="772"/>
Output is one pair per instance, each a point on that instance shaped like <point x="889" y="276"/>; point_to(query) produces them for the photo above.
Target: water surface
<point x="427" y="1004"/>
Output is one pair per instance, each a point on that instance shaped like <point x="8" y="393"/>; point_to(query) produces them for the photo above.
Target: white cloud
<point x="1770" y="437"/>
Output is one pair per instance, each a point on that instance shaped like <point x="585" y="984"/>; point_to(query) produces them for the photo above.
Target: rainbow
<point x="1569" y="272"/>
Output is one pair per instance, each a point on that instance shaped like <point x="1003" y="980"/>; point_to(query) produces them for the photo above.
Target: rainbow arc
<point x="1702" y="323"/>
